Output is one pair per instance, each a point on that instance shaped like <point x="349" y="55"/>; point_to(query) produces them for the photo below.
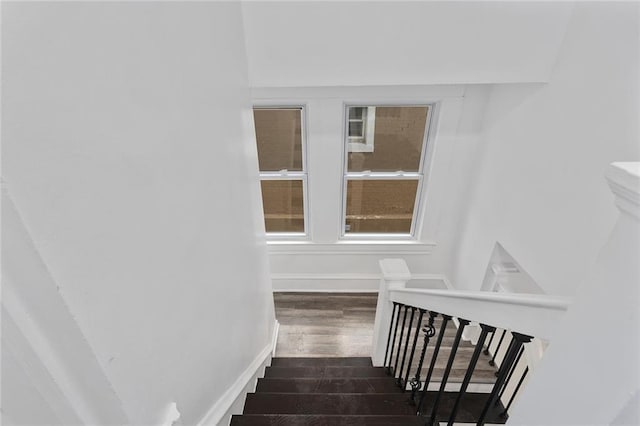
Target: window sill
<point x="387" y="247"/>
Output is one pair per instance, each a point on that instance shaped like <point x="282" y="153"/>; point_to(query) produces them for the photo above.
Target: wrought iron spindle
<point x="486" y="329"/>
<point x="404" y="320"/>
<point x="510" y="356"/>
<point x="406" y="349"/>
<point x="386" y="351"/>
<point x="493" y="358"/>
<point x="413" y="350"/>
<point x="452" y="356"/>
<point x="395" y="333"/>
<point x="425" y="388"/>
<point x="493" y="334"/>
<point x="429" y="331"/>
<point x="511" y="371"/>
<point x="515" y="391"/>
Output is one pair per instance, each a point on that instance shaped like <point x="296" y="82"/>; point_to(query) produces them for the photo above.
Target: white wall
<point x="402" y="43"/>
<point x="325" y="261"/>
<point x="590" y="372"/>
<point x="540" y="190"/>
<point x="128" y="151"/>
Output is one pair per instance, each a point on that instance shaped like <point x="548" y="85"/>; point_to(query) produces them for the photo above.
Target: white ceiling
<point x="390" y="43"/>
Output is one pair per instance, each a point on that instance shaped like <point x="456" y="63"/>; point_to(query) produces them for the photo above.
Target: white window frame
<point x="369" y="124"/>
<point x="290" y="175"/>
<point x="399" y="175"/>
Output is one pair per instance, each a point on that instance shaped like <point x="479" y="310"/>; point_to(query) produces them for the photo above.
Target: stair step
<point x="319" y="372"/>
<point x="359" y="404"/>
<point x="324" y="420"/>
<point x="328" y="403"/>
<point x="322" y="362"/>
<point x="470" y="407"/>
<point x="457" y="375"/>
<point x="329" y="385"/>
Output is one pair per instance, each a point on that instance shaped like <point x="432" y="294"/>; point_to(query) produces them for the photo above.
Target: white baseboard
<point x="232" y="401"/>
<point x="339" y="283"/>
<point x="274" y="339"/>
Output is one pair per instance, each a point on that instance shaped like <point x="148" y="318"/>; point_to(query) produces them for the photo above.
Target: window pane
<point x="380" y="206"/>
<point x="356" y="112"/>
<point x="355" y="128"/>
<point x="398" y="137"/>
<point x="279" y="136"/>
<point x="283" y="205"/>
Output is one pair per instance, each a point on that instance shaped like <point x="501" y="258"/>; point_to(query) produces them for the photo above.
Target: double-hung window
<point x="281" y="157"/>
<point x="382" y="183"/>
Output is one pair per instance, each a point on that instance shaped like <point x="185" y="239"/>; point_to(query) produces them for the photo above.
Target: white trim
<point x="237" y="391"/>
<point x="274" y="338"/>
<point x="73" y="386"/>
<point x="624" y="181"/>
<point x="335" y="283"/>
<point x="33" y="367"/>
<point x="559" y="303"/>
<point x="293" y="277"/>
<point x="368" y="247"/>
<point x="536" y="315"/>
<point x="325" y="283"/>
<point x="390" y="93"/>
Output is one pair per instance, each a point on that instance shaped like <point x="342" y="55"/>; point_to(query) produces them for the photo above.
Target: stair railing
<point x="511" y="320"/>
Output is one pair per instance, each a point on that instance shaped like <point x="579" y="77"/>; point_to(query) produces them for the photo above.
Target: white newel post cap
<point x="395" y="270"/>
<point x="624" y="181"/>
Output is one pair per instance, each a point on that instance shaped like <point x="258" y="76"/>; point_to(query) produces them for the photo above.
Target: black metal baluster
<point x="493" y="334"/>
<point x="513" y="369"/>
<point x="404" y="320"/>
<point x="452" y="356"/>
<point x="443" y="327"/>
<point x="515" y="391"/>
<point x="493" y="358"/>
<point x="486" y="329"/>
<point x="406" y="348"/>
<point x="429" y="331"/>
<point x="386" y="352"/>
<point x="500" y="368"/>
<point x="510" y="356"/>
<point x="395" y="333"/>
<point x="413" y="350"/>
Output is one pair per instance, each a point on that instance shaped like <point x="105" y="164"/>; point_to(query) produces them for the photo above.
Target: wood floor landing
<point x="341" y="325"/>
<point x="325" y="324"/>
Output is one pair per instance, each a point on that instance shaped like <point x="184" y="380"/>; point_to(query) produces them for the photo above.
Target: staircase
<point x="344" y="392"/>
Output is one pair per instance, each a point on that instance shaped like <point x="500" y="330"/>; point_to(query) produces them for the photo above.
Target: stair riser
<point x="344" y="404"/>
<point x="305" y="420"/>
<point x="327" y="372"/>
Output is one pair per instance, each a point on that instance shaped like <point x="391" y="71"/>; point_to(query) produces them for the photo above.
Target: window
<point x="381" y="185"/>
<point x="361" y="129"/>
<point x="279" y="135"/>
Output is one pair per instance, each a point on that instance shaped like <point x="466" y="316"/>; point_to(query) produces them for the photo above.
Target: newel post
<point x="395" y="274"/>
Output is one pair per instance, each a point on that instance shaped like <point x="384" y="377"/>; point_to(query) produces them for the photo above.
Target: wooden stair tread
<point x="327" y="403"/>
<point x="321" y="362"/>
<point x="328" y="385"/>
<point x="470" y="408"/>
<point x="325" y="371"/>
<point x="357" y="404"/>
<point x="324" y="420"/>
